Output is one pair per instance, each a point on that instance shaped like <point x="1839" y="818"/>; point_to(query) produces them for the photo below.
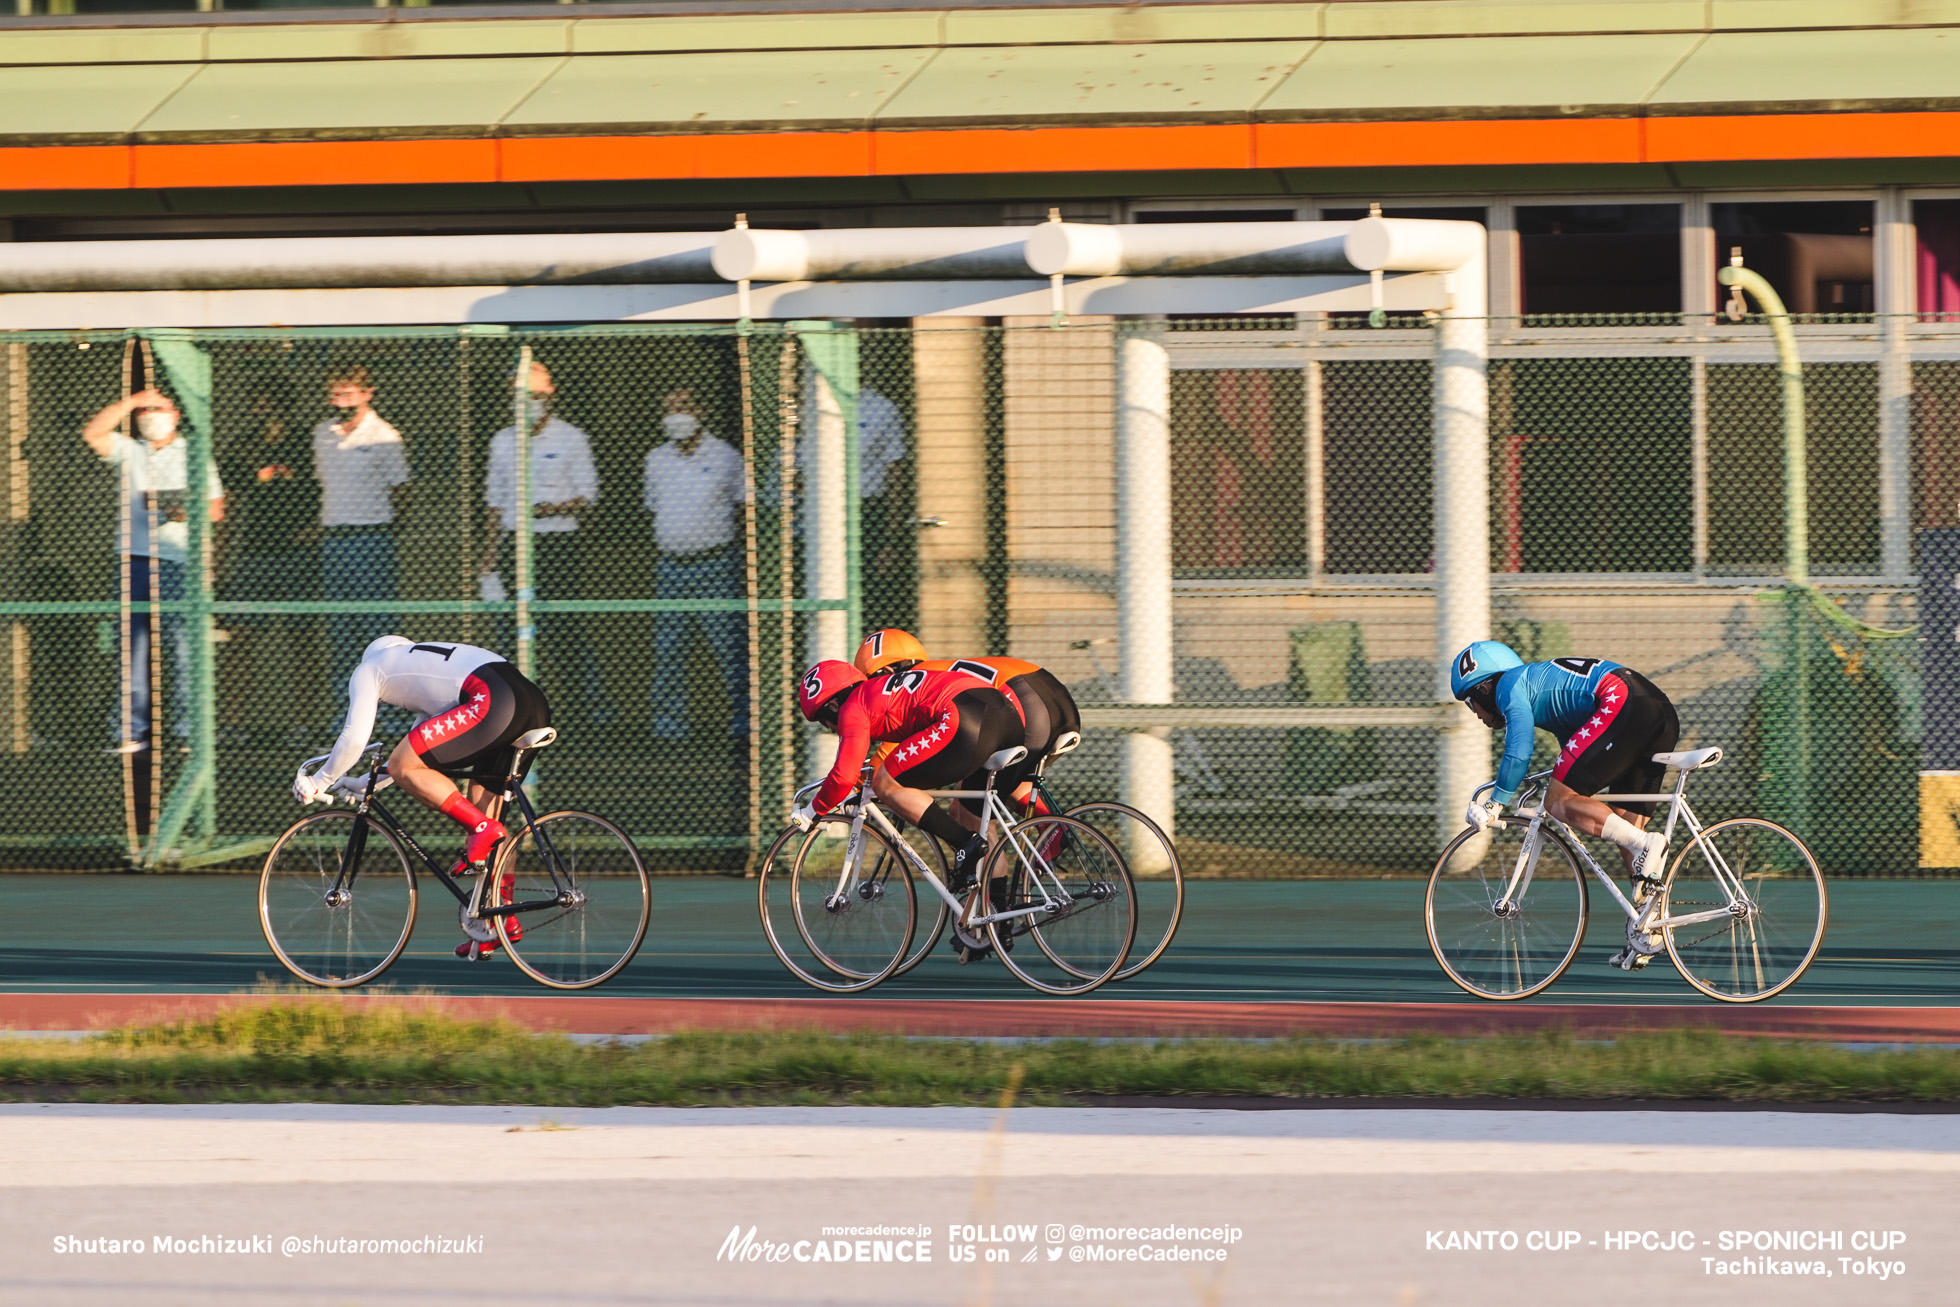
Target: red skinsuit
<point x="892" y="706"/>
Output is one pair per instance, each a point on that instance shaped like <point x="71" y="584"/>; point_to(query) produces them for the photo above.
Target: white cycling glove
<point x="1482" y="815"/>
<point x="804" y="817"/>
<point x="312" y="789"/>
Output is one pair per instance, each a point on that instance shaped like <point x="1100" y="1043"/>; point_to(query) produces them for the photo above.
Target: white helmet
<point x="385" y="642"/>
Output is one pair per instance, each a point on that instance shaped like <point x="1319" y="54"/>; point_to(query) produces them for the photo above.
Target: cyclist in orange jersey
<point x="1054" y="724"/>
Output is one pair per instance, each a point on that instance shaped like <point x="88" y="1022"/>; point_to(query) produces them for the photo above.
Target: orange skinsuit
<point x="999" y="671"/>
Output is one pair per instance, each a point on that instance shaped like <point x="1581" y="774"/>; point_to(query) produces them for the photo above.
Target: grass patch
<point x="323" y="1052"/>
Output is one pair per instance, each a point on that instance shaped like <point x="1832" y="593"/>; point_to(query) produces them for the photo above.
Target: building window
<point x="1817" y="254"/>
<point x="1600" y="258"/>
<point x="1937" y="223"/>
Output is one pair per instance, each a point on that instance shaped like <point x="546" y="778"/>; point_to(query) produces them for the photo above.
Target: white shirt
<point x="424" y="678"/>
<point x="693" y="497"/>
<point x="561" y="471"/>
<point x="145" y="469"/>
<point x="881" y="441"/>
<point x="357" y="470"/>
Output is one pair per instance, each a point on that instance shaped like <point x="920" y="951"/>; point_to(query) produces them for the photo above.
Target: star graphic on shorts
<point x="1611" y="699"/>
<point x="1594" y="722"/>
<point x="1584" y="734"/>
<point x="478" y="697"/>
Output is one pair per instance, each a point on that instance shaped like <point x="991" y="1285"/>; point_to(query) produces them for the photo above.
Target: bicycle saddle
<point x="1064" y="742"/>
<point x="1007" y="757"/>
<point x="1690" y="759"/>
<point x="534" y="739"/>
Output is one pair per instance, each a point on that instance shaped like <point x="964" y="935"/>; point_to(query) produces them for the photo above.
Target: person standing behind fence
<point x="564" y="485"/>
<point x="362" y="467"/>
<point x="694" y="489"/>
<point x="155" y="477"/>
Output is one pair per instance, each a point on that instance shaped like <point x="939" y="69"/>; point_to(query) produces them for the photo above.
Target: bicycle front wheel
<point x="1499" y="949"/>
<point x="329" y="930"/>
<point x="592" y="894"/>
<point x="855" y="918"/>
<point x="1772" y="895"/>
<point x="1159" y="881"/>
<point x="1084" y="908"/>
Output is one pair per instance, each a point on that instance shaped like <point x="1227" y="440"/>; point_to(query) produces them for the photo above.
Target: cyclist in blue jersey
<point x="1609" y="720"/>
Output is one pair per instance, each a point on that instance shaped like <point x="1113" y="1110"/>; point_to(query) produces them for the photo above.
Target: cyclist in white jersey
<point x="472" y="702"/>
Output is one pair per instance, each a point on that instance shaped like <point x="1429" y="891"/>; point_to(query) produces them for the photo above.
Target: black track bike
<point x="566" y="893"/>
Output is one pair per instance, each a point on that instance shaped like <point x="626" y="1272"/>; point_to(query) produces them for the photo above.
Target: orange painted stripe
<point x="1060" y="149"/>
<point x="64" y="168"/>
<point x="985" y="150"/>
<point x="1430" y="144"/>
<point x="1804" y="136"/>
<point x="315" y="163"/>
<point x="624" y="158"/>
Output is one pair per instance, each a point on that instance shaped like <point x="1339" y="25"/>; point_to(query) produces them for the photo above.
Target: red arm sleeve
<point x="853" y="746"/>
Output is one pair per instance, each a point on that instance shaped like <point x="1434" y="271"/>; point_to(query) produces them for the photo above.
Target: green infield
<point x="314" y="1052"/>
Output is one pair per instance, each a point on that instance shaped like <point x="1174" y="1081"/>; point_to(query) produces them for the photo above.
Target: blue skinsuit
<point x="1558" y="695"/>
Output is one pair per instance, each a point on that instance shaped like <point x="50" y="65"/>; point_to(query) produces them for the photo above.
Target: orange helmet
<point x="821" y="692"/>
<point x="883" y="650"/>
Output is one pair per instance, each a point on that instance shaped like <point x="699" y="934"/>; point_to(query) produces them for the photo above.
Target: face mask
<point x="680" y="426"/>
<point x="156" y="424"/>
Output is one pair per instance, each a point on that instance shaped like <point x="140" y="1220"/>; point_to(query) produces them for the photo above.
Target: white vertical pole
<point x="1698" y="292"/>
<point x="1462" y="523"/>
<point x="1893" y="250"/>
<point x="1143" y="561"/>
<point x="825" y="565"/>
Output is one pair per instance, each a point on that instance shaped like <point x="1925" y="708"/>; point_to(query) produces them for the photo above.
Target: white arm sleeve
<point x="363" y="697"/>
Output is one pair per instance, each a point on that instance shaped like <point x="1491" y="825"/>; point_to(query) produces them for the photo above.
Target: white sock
<point x="1624" y="833"/>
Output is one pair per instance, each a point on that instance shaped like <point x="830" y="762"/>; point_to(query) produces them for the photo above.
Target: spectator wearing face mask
<point x="564" y="487"/>
<point x="362" y="467"/>
<point x="154" y="478"/>
<point x="694" y="490"/>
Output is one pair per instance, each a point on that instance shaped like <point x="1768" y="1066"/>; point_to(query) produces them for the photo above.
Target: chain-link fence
<point x="713" y="507"/>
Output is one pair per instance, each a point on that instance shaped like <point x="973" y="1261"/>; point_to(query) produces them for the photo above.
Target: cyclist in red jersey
<point x="945" y="725"/>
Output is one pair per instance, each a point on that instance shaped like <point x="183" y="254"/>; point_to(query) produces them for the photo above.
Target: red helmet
<point x="820" y="692"/>
<point x="888" y="648"/>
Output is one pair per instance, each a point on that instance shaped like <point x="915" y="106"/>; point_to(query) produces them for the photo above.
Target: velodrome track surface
<point x="1253" y="958"/>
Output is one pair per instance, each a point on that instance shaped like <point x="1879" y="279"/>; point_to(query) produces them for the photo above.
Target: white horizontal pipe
<point x="1414" y="244"/>
<point x="1074" y="249"/>
<point x="709" y="302"/>
<point x="328" y="262"/>
<point x="867" y="253"/>
<point x="1225" y="249"/>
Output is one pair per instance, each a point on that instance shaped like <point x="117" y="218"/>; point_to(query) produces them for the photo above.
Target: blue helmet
<point x="1478" y="663"/>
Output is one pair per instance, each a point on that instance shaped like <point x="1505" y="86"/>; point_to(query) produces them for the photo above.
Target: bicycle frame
<point x="369" y="808"/>
<point x="1054" y="897"/>
<point x="1642" y="919"/>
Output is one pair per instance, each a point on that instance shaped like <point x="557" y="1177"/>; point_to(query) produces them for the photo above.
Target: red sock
<point x="484" y="833"/>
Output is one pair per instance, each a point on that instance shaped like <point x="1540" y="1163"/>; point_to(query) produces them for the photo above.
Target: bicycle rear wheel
<point x="1159" y="881"/>
<point x="598" y="903"/>
<point x="853" y="924"/>
<point x="1079" y="944"/>
<point x="1777" y="912"/>
<point x="336" y="940"/>
<point x="1517" y="950"/>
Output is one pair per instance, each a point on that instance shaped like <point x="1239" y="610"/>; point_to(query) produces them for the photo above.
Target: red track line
<point x="1086" y="1018"/>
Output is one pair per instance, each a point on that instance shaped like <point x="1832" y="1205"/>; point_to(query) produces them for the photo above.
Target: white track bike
<point x="1741" y="911"/>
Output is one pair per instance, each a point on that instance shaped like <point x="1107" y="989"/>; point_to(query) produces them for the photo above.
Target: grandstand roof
<point x="886" y="88"/>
